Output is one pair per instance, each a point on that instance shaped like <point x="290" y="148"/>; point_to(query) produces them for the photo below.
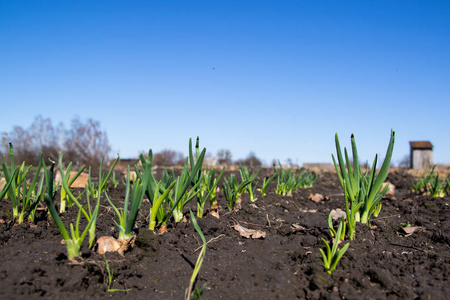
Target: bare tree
<point x="88" y="142"/>
<point x="84" y="143"/>
<point x="168" y="158"/>
<point x="22" y="145"/>
<point x="405" y="162"/>
<point x="43" y="138"/>
<point x="224" y="156"/>
<point x="252" y="161"/>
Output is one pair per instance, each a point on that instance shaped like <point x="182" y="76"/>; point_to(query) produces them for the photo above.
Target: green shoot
<point x="247" y="176"/>
<point x="178" y="192"/>
<point x="207" y="189"/>
<point x="23" y="197"/>
<point x="333" y="231"/>
<point x="306" y="179"/>
<point x="5" y="188"/>
<point x="333" y="254"/>
<point x="87" y="214"/>
<point x="114" y="181"/>
<point x="189" y="179"/>
<point x="64" y="198"/>
<point x="127" y="215"/>
<point x="198" y="264"/>
<point x="157" y="199"/>
<point x="232" y="191"/>
<point x="111" y="278"/>
<point x="431" y="185"/>
<point x="38" y="198"/>
<point x="360" y="189"/>
<point x="266" y="183"/>
<point x="286" y="181"/>
<point x="74" y="240"/>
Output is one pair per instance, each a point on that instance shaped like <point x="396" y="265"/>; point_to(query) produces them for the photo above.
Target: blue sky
<point x="277" y="78"/>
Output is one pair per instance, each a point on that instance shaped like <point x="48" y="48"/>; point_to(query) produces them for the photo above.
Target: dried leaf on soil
<point x="296" y="227"/>
<point x="249" y="233"/>
<point x="312" y="211"/>
<point x="336" y="214"/>
<point x="318" y="197"/>
<point x="410" y="230"/>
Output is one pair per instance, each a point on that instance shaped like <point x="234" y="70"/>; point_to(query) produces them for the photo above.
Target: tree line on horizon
<point x="84" y="143"/>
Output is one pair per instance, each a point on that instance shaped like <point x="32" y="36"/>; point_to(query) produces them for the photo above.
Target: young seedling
<point x="266" y="183"/>
<point x="286" y="181"/>
<point x="247" y="176"/>
<point x="87" y="214"/>
<point x="364" y="191"/>
<point x="435" y="187"/>
<point x="306" y="179"/>
<point x="114" y="181"/>
<point x="333" y="232"/>
<point x="333" y="254"/>
<point x="111" y="278"/>
<point x="69" y="181"/>
<point x="38" y="198"/>
<point x="127" y="215"/>
<point x="23" y="197"/>
<point x="179" y="192"/>
<point x="232" y="191"/>
<point x="157" y="199"/>
<point x="196" y="168"/>
<point x="74" y="240"/>
<point x="208" y="185"/>
<point x="198" y="264"/>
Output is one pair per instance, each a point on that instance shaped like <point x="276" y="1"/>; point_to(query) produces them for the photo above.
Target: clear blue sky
<point x="278" y="78"/>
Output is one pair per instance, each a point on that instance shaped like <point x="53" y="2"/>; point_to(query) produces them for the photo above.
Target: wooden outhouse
<point x="421" y="154"/>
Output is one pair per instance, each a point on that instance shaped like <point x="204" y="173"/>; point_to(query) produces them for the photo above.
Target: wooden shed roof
<point x="421" y="145"/>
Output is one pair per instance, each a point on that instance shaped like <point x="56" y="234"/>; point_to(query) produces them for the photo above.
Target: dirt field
<point x="381" y="263"/>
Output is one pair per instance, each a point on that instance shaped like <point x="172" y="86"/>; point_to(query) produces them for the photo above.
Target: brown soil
<point x="380" y="263"/>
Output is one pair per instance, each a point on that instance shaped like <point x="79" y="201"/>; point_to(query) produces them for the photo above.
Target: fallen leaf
<point x="318" y="197"/>
<point x="296" y="227"/>
<point x="249" y="233"/>
<point x="410" y="230"/>
<point x="214" y="213"/>
<point x="337" y="214"/>
<point x="313" y="211"/>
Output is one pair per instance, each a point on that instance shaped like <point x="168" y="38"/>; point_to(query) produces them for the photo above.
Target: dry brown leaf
<point x="313" y="211"/>
<point x="337" y="214"/>
<point x="249" y="233"/>
<point x="296" y="227"/>
<point x="410" y="230"/>
<point x="214" y="213"/>
<point x="317" y="197"/>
